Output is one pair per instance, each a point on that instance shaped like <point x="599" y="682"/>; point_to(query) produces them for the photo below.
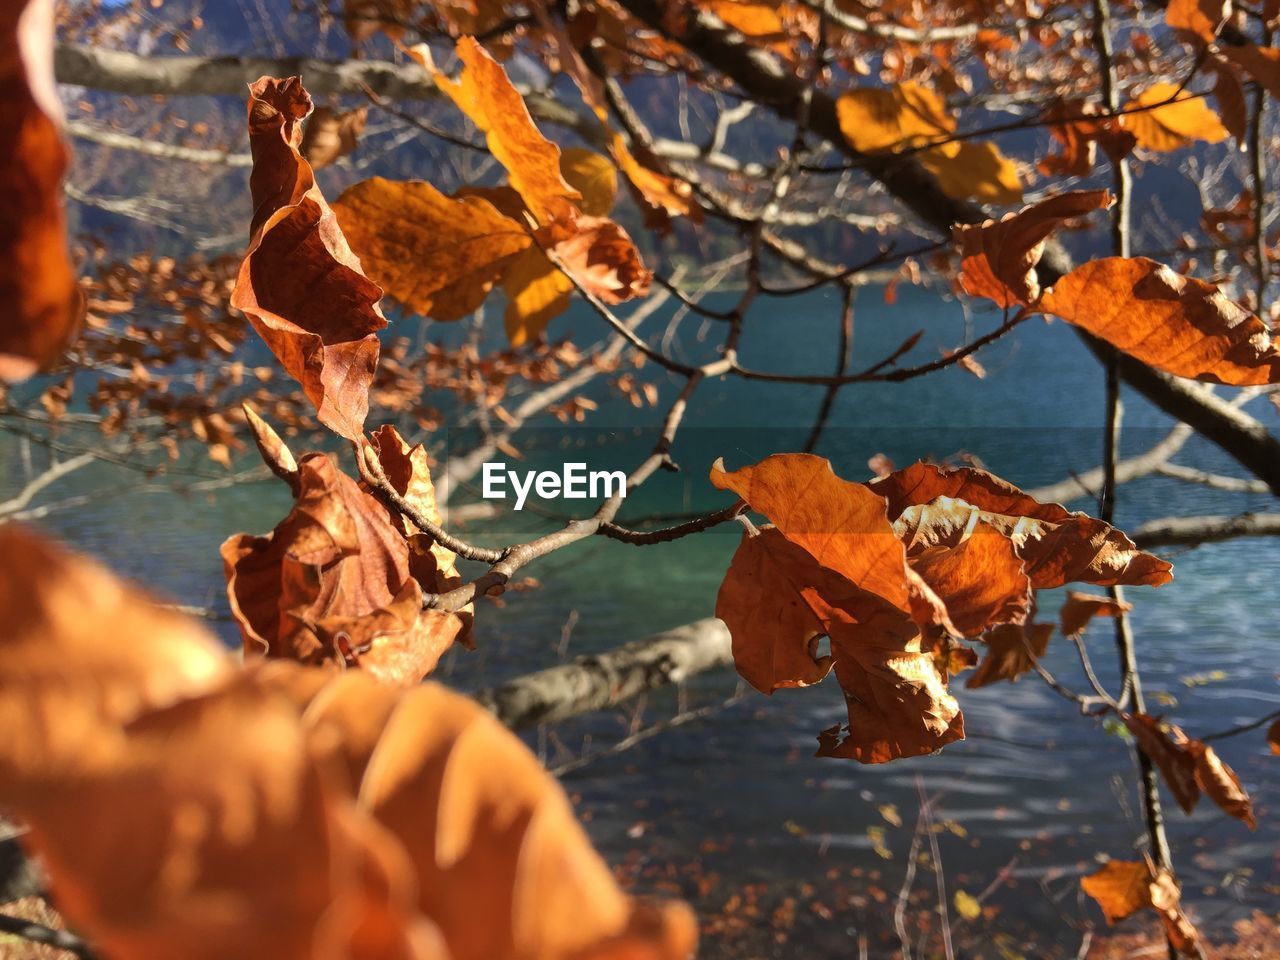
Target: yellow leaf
<point x="437" y="255"/>
<point x="485" y="94"/>
<point x="1170" y="127"/>
<point x="974" y="171"/>
<point x="873" y="118"/>
<point x="593" y="176"/>
<point x="537" y="293"/>
<point x="967" y="906"/>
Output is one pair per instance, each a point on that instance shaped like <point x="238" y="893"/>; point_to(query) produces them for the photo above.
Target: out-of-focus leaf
<point x="1077" y="129"/>
<point x="999" y="257"/>
<point x="1174" y="124"/>
<point x="333" y="584"/>
<point x="592" y="175"/>
<point x="875" y="118"/>
<point x="1273" y="737"/>
<point x="37" y="282"/>
<point x="1123" y="887"/>
<point x="1006" y="657"/>
<point x="1200" y="18"/>
<point x="1174" y="323"/>
<point x="437" y="255"/>
<point x="537" y="293"/>
<point x="974" y="171"/>
<point x="300" y="285"/>
<point x="1260" y="63"/>
<point x="329" y="135"/>
<point x="1080" y="608"/>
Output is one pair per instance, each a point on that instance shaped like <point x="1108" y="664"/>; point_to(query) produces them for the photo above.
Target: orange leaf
<point x="1174" y="124"/>
<point x="537" y="292"/>
<point x="973" y="171"/>
<point x="999" y="258"/>
<point x="836" y="551"/>
<point x="1273" y="737"/>
<point x="485" y="94"/>
<point x="300" y="285"/>
<point x="1080" y="608"/>
<point x="329" y="135"/>
<point x="1177" y="324"/>
<point x="1006" y="656"/>
<point x="37" y="282"/>
<point x="1200" y="18"/>
<point x="601" y="257"/>
<point x="332" y="584"/>
<point x="1220" y="782"/>
<point x="437" y="255"/>
<point x="475" y="812"/>
<point x="1123" y="887"/>
<point x="873" y="119"/>
<point x="932" y="507"/>
<point x="1073" y="125"/>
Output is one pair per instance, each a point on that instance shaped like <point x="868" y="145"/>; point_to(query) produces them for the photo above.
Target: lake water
<point x="781" y="853"/>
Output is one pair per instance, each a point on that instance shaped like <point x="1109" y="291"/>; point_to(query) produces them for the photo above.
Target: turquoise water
<point x="736" y="799"/>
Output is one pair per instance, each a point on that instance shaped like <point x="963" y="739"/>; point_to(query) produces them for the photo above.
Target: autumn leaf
<point x="537" y="292"/>
<point x="275" y="453"/>
<point x="1199" y="18"/>
<point x="967" y="170"/>
<point x="1080" y="608"/>
<point x="1260" y="63"/>
<point x="1122" y="888"/>
<point x="1273" y="737"/>
<point x="834" y="549"/>
<point x="364" y="18"/>
<point x="439" y="256"/>
<point x="300" y="285"/>
<point x="1006" y="656"/>
<point x="485" y="94"/>
<point x="933" y="507"/>
<point x="55" y="607"/>
<point x="333" y="584"/>
<point x="1079" y="131"/>
<point x="1178" y="324"/>
<point x="282" y="811"/>
<point x="1163" y="118"/>
<point x="329" y="135"/>
<point x="1191" y="766"/>
<point x="594" y="177"/>
<point x="37" y="281"/>
<point x="874" y="119"/>
<point x="998" y="258"/>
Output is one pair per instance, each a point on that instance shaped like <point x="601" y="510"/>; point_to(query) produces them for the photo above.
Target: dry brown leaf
<point x="1228" y="90"/>
<point x="1167" y="749"/>
<point x="407" y="469"/>
<point x="1122" y="888"/>
<point x="1080" y="608"/>
<point x="835" y="547"/>
<point x="54" y="606"/>
<point x="1190" y="766"/>
<point x="364" y="18"/>
<point x="485" y="94"/>
<point x="1006" y="656"/>
<point x="1173" y="119"/>
<point x="329" y="135"/>
<point x="333" y="584"/>
<point x="476" y="812"/>
<point x="1079" y="132"/>
<point x="437" y="255"/>
<point x="933" y="507"/>
<point x="1273" y="737"/>
<point x="775" y="634"/>
<point x="300" y="285"/>
<point x="282" y="811"/>
<point x="37" y="281"/>
<point x="1174" y="323"/>
<point x="1261" y="63"/>
<point x="601" y="257"/>
<point x="275" y="453"/>
<point x="999" y="257"/>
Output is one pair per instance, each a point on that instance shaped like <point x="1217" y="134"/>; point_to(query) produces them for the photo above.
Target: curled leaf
<point x="329" y="135"/>
<point x="998" y="258"/>
<point x="1009" y="651"/>
<point x="333" y="584"/>
<point x="275" y="453"/>
<point x="300" y="285"/>
<point x="1122" y="888"/>
<point x="37" y="281"/>
<point x="1174" y="323"/>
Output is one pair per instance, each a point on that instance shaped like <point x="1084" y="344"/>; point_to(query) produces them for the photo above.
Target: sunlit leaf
<point x="328" y="135"/>
<point x="1164" y="118"/>
<point x="1174" y="323"/>
<point x="1080" y="608"/>
<point x="300" y="285"/>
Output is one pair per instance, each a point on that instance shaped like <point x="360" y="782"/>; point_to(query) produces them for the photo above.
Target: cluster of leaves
<point x="891" y="571"/>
